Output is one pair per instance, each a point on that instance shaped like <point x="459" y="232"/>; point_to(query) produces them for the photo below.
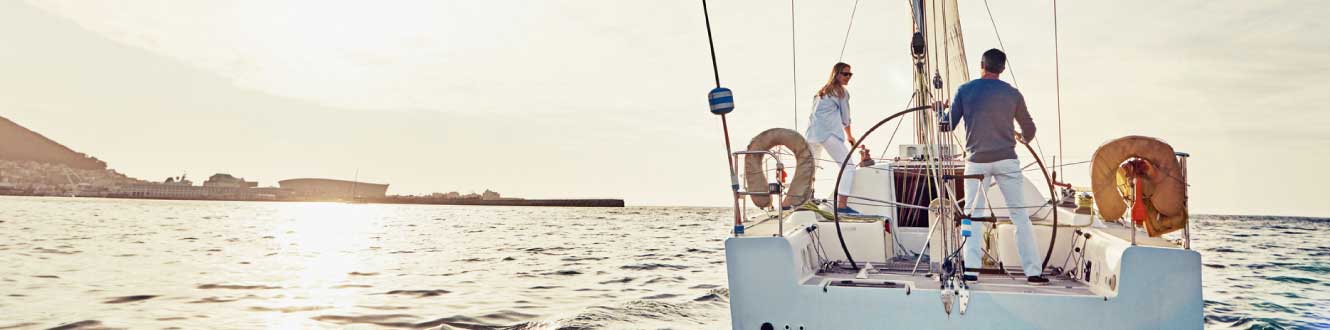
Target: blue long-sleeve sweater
<point x="988" y="107"/>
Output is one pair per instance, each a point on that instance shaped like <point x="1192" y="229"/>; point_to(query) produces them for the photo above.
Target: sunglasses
<point x="847" y="74"/>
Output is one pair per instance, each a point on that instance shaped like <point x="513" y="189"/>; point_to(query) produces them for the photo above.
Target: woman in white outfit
<point x="829" y="127"/>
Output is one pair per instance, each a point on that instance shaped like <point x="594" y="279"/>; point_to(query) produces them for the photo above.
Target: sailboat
<point x="1103" y="247"/>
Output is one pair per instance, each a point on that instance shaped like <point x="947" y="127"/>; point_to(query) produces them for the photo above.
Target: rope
<point x="814" y="235"/>
<point x="1010" y="68"/>
<point x="935" y="61"/>
<point x="946" y="51"/>
<point x="847" y="31"/>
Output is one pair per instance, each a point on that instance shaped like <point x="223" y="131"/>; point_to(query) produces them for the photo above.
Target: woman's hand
<point x="851" y="140"/>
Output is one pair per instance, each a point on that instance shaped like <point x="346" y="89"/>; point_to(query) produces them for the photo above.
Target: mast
<point x="939" y="67"/>
<point x="939" y="58"/>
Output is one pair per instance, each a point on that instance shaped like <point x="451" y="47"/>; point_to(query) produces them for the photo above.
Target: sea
<point x="91" y="263"/>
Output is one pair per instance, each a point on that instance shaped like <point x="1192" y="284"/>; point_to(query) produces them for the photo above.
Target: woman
<point x="829" y="128"/>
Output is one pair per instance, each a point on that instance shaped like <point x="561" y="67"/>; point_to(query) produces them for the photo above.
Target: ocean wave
<point x="418" y="293"/>
<point x="1228" y="217"/>
<point x="1292" y="279"/>
<point x="653" y="266"/>
<point x="126" y="299"/>
<point x="83" y="325"/>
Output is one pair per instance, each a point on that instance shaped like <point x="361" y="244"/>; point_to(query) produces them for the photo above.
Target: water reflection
<point x="319" y="247"/>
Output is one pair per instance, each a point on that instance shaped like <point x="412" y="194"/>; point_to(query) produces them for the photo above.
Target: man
<point x="988" y="107"/>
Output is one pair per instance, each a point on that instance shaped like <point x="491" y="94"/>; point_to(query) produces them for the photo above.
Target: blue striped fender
<point x="722" y="100"/>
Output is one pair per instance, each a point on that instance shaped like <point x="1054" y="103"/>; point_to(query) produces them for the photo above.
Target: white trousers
<point x="837" y="150"/>
<point x="1010" y="181"/>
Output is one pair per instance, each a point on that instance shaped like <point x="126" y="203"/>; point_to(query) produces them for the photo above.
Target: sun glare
<point x="320" y="245"/>
<point x="320" y="242"/>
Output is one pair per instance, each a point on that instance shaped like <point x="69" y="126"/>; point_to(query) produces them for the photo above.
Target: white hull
<point x="775" y="279"/>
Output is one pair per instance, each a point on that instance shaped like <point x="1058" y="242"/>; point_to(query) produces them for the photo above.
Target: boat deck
<point x="764" y="225"/>
<point x="900" y="273"/>
<point x="768" y="225"/>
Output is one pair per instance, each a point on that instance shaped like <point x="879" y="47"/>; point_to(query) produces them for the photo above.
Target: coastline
<point x="607" y="202"/>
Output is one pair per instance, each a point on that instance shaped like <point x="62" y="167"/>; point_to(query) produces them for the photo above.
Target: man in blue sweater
<point x="989" y="106"/>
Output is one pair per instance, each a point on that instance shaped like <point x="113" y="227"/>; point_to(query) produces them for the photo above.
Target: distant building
<point x="333" y="189"/>
<point x="181" y="180"/>
<point x="176" y="190"/>
<point x="448" y="195"/>
<point x="489" y="195"/>
<point x="226" y="180"/>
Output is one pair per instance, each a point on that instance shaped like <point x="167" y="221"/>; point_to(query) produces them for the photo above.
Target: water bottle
<point x="967" y="274"/>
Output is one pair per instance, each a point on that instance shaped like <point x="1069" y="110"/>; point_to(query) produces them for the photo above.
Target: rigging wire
<point x="945" y="160"/>
<point x="794" y="67"/>
<point x="898" y="126"/>
<point x="1010" y="68"/>
<point x="847" y="31"/>
<point x="1057" y="79"/>
<point x="714" y="68"/>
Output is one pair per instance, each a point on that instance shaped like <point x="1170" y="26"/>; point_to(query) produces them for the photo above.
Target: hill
<point x="22" y="144"/>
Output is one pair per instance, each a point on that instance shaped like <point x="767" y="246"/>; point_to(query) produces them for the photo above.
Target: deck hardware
<point x="964" y="301"/>
<point x="948" y="298"/>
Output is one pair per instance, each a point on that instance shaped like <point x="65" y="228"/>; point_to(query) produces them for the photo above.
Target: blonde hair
<point x="833" y="86"/>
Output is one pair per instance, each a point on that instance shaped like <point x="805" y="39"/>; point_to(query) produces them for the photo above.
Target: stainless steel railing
<point x="1186" y="189"/>
<point x="774" y="189"/>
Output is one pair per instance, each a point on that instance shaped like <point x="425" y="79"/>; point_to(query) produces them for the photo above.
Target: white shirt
<point x="829" y="118"/>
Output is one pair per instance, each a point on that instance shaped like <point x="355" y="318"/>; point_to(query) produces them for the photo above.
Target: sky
<point x="606" y="99"/>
